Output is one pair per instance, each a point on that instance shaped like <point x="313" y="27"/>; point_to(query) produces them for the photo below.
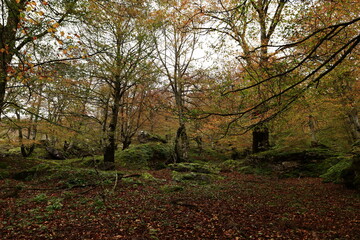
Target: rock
<point x="145" y="137"/>
<point x="292" y="164"/>
<point x="351" y="175"/>
<point x="55" y="154"/>
<point x="192" y="167"/>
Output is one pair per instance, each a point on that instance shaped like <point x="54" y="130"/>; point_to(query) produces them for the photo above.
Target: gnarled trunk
<point x="260" y="139"/>
<point x="354" y="123"/>
<point x="181" y="144"/>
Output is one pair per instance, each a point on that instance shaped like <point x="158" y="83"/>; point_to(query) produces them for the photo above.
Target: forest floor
<point x="236" y="207"/>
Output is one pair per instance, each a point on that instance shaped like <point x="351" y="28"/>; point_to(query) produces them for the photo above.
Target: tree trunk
<point x="181" y="144"/>
<point x="110" y="147"/>
<point x="26" y="151"/>
<point x="354" y="124"/>
<point x="312" y="126"/>
<point x="2" y="90"/>
<point x="199" y="142"/>
<point x="260" y="139"/>
<point x="126" y="143"/>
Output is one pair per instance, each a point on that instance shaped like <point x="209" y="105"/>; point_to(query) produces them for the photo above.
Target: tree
<point x="176" y="42"/>
<point x="119" y="31"/>
<point x="252" y="24"/>
<point x="302" y="65"/>
<point x="26" y="22"/>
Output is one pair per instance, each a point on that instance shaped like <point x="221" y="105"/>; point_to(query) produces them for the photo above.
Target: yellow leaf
<point x="69" y="37"/>
<point x="17" y="1"/>
<point x="41" y="13"/>
<point x="2" y="50"/>
<point x="56" y="25"/>
<point x="62" y="33"/>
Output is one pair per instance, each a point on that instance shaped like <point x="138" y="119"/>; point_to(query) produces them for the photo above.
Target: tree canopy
<point x="122" y="67"/>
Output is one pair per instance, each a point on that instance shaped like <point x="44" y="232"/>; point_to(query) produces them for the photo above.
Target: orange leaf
<point x="56" y="25"/>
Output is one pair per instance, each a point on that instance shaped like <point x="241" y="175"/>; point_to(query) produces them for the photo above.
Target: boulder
<point x="145" y="137"/>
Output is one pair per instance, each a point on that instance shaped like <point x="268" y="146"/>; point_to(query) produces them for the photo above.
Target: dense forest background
<point x="88" y="77"/>
<point x="179" y="119"/>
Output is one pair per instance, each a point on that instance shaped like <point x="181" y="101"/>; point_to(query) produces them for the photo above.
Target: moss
<point x="171" y="188"/>
<point x="132" y="181"/>
<point x="200" y="178"/>
<point x="351" y="175"/>
<point x="145" y="156"/>
<point x="333" y="174"/>
<point x="232" y="166"/>
<point x="14" y="151"/>
<point x="65" y="175"/>
<point x="148" y="177"/>
<point x="304" y="156"/>
<point x="3" y="165"/>
<point x="260" y="169"/>
<point x="208" y="155"/>
<point x="193" y="167"/>
<point x="4" y="174"/>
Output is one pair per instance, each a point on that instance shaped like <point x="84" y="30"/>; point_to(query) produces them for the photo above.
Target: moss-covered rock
<point x="194" y="177"/>
<point x="145" y="156"/>
<point x="194" y="167"/>
<point x="351" y="174"/>
<point x="301" y="156"/>
<point x="171" y="188"/>
<point x="232" y="166"/>
<point x="334" y="173"/>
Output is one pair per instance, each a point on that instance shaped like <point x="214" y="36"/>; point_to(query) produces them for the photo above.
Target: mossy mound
<point x="64" y="175"/>
<point x="333" y="173"/>
<point x="195" y="177"/>
<point x="346" y="171"/>
<point x="194" y="167"/>
<point x="145" y="156"/>
<point x="301" y="156"/>
<point x="171" y="188"/>
<point x="198" y="173"/>
<point x="233" y="166"/>
<point x="351" y="175"/>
